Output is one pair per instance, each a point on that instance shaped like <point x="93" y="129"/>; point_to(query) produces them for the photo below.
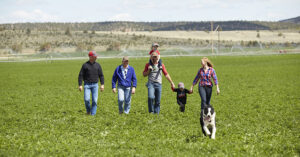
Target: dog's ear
<point x="205" y="110"/>
<point x="212" y="110"/>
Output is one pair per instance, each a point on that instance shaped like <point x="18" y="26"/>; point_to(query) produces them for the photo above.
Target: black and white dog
<point x="207" y="121"/>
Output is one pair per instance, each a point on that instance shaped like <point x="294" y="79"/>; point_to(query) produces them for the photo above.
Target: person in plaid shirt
<point x="205" y="73"/>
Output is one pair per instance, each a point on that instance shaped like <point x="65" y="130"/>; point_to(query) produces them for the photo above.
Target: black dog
<point x="207" y="121"/>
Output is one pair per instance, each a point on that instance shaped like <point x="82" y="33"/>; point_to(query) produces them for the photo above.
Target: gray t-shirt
<point x="155" y="75"/>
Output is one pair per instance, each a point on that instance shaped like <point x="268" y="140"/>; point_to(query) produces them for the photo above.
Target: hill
<point x="151" y="26"/>
<point x="295" y="20"/>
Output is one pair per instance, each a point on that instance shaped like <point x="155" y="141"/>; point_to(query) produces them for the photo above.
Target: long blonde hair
<point x="207" y="61"/>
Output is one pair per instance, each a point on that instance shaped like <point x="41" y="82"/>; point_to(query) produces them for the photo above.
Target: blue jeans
<point x="124" y="95"/>
<point x="88" y="88"/>
<point x="154" y="95"/>
<point x="205" y="94"/>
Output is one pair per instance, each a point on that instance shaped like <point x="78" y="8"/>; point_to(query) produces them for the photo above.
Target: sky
<point x="16" y="11"/>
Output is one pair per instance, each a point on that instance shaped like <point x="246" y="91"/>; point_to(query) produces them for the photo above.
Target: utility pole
<point x="218" y="40"/>
<point x="211" y="37"/>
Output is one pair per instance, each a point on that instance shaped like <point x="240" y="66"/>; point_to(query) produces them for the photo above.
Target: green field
<point x="258" y="110"/>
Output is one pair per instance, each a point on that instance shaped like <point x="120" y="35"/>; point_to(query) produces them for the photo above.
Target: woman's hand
<point x="192" y="89"/>
<point x="218" y="90"/>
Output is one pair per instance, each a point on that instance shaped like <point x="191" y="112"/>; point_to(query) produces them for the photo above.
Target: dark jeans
<point x="205" y="94"/>
<point x="181" y="106"/>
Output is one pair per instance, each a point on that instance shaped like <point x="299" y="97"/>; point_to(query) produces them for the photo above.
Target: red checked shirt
<point x="205" y="78"/>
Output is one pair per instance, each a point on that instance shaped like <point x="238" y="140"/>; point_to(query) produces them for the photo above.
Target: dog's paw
<point x="213" y="137"/>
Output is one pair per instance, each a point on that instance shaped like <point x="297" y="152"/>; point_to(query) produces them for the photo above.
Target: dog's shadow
<point x="192" y="138"/>
<point x="195" y="138"/>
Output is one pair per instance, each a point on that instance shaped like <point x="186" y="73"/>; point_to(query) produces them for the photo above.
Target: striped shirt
<point x="205" y="78"/>
<point x="124" y="71"/>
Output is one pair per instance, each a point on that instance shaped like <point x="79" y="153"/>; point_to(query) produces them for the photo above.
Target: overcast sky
<point x="12" y="11"/>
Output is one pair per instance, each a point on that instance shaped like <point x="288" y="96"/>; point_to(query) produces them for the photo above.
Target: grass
<point x="42" y="111"/>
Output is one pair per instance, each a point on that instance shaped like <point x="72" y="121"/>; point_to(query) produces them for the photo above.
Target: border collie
<point x="207" y="121"/>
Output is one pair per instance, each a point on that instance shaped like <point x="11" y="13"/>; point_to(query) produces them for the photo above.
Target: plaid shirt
<point x="205" y="78"/>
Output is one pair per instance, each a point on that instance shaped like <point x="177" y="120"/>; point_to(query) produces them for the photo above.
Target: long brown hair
<point x="207" y="61"/>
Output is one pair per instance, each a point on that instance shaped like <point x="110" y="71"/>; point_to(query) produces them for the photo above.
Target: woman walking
<point x="205" y="73"/>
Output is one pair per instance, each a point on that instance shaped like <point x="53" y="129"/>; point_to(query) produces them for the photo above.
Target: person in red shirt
<point x="154" y="49"/>
<point x="154" y="83"/>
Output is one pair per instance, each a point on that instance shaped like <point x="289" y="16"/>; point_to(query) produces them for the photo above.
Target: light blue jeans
<point x="154" y="95"/>
<point x="88" y="88"/>
<point x="124" y="95"/>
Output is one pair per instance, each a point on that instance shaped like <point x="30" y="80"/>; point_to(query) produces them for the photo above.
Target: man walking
<point x="90" y="73"/>
<point x="125" y="75"/>
<point x="154" y="74"/>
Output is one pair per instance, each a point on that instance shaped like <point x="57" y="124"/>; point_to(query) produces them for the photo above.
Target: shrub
<point x="17" y="48"/>
<point x="68" y="32"/>
<point x="2" y="28"/>
<point x="114" y="46"/>
<point x="90" y="47"/>
<point x="28" y="31"/>
<point x="258" y="35"/>
<point x="45" y="47"/>
<point x="287" y="44"/>
<point x="81" y="47"/>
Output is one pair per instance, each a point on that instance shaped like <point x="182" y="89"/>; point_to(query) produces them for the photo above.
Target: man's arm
<point x="114" y="79"/>
<point x="101" y="76"/>
<point x="134" y="81"/>
<point x="168" y="77"/>
<point x="80" y="78"/>
<point x="146" y="71"/>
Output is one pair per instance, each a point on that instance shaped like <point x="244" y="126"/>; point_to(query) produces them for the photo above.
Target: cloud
<point x="209" y="4"/>
<point x="22" y="2"/>
<point x="30" y="2"/>
<point x="34" y="16"/>
<point x="122" y="17"/>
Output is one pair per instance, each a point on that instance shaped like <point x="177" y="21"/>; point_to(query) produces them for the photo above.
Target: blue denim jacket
<point x="130" y="77"/>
